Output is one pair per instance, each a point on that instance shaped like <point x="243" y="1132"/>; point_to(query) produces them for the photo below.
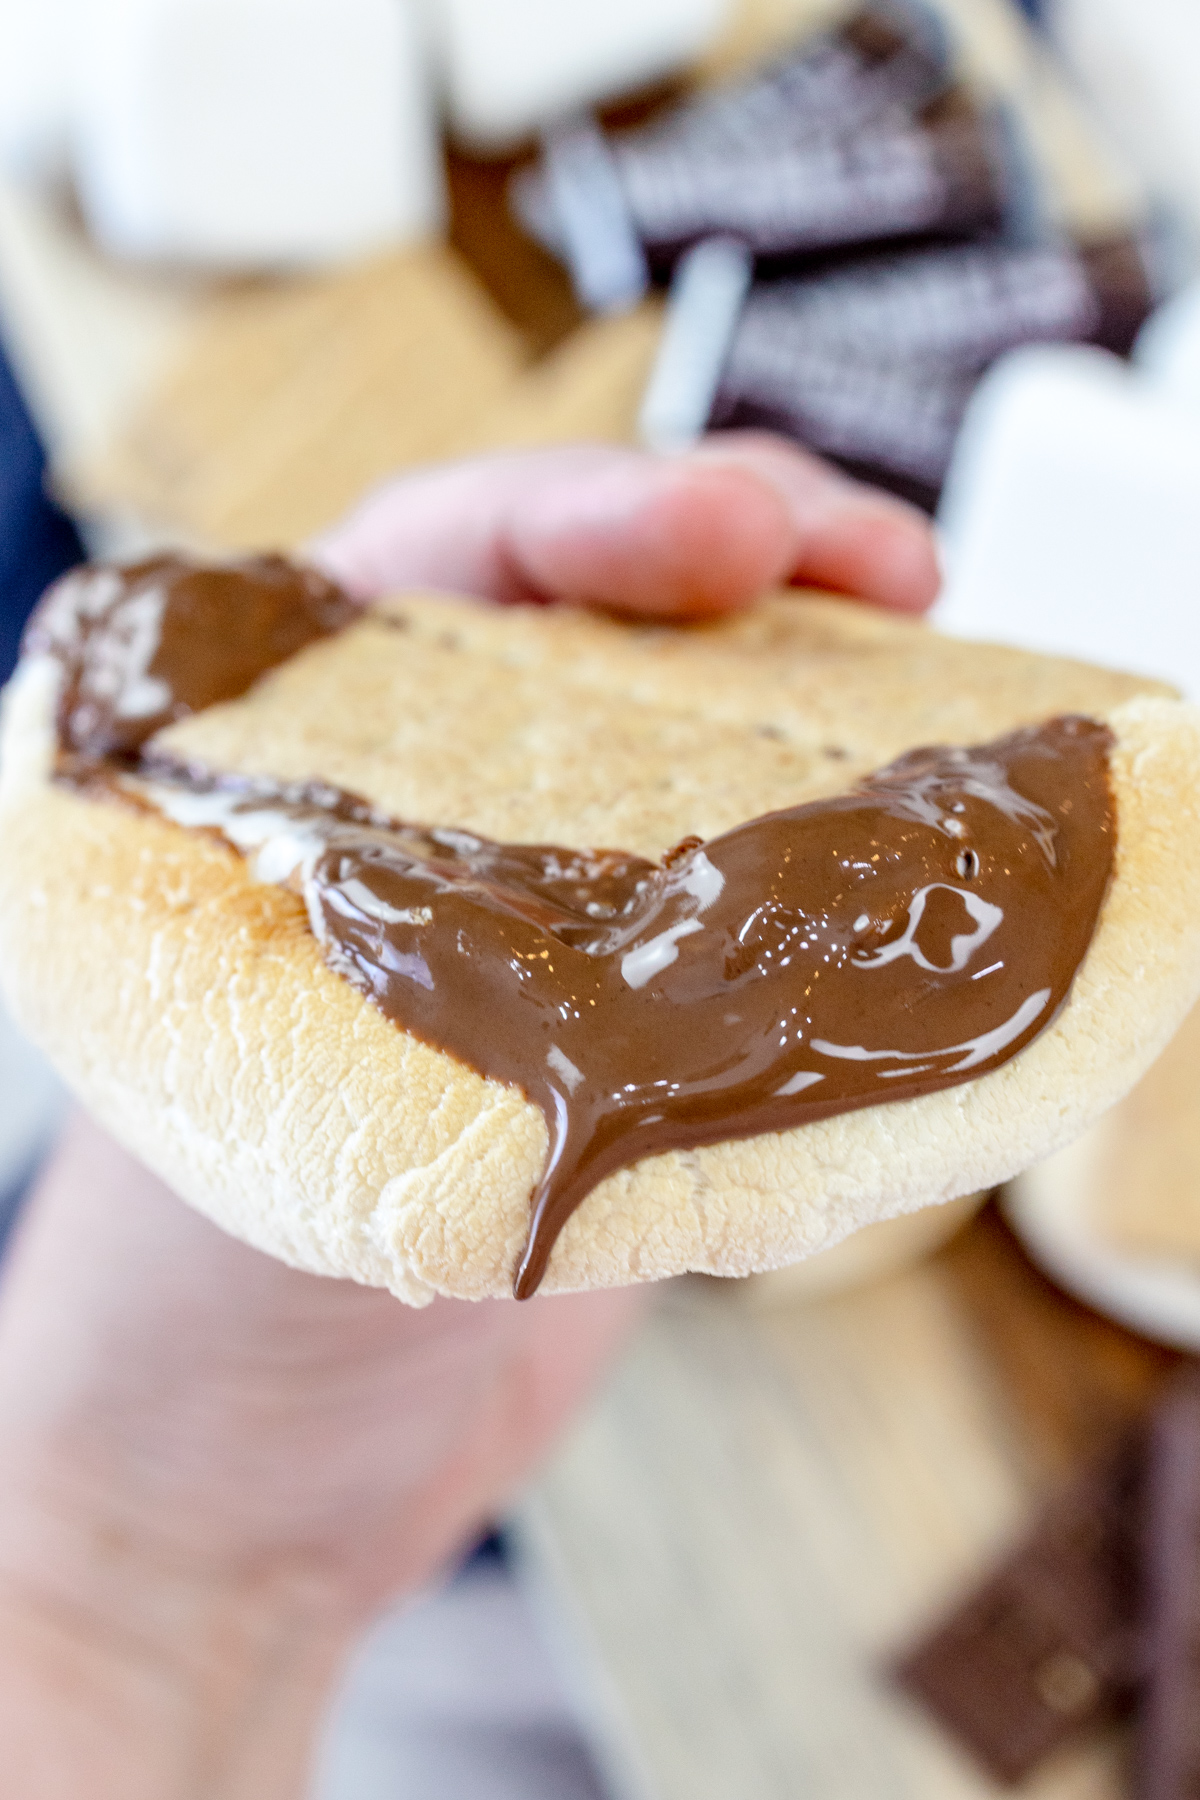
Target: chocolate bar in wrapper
<point x="888" y="60"/>
<point x="874" y="363"/>
<point x="943" y="173"/>
<point x="855" y="138"/>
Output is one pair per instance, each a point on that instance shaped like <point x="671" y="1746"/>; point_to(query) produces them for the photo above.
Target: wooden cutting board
<point x="765" y="1506"/>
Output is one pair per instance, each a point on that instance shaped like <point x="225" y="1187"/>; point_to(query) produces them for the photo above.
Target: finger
<point x="669" y="538"/>
<point x="690" y="535"/>
<point x="848" y="536"/>
<point x="589" y="524"/>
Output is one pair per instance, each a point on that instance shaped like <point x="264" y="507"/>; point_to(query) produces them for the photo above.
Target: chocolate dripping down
<point x="901" y="938"/>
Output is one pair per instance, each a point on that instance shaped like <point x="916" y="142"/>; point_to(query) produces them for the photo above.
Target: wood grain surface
<point x="766" y="1506"/>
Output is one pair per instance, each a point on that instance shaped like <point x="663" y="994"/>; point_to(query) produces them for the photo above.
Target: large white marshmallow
<point x="36" y="79"/>
<point x="1167" y="351"/>
<point x="512" y="66"/>
<point x="251" y="133"/>
<point x="1071" y="516"/>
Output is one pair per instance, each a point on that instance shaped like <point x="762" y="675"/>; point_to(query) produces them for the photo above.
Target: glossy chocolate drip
<point x="872" y="947"/>
<point x="146" y="644"/>
<point x="901" y="938"/>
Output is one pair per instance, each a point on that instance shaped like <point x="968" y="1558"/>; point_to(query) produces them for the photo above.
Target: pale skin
<point x="215" y="1470"/>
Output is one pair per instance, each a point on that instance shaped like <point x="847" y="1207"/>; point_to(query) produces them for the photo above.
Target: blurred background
<point x="255" y="255"/>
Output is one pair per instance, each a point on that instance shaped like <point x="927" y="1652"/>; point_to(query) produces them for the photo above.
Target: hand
<point x="213" y="1469"/>
<point x="701" y="533"/>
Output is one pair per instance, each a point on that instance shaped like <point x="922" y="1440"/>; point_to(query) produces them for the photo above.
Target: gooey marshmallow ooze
<point x="315" y="908"/>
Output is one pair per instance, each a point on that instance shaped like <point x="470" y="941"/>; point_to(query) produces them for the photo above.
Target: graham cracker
<point x="190" y="1006"/>
<point x="589" y="386"/>
<point x="294" y="397"/>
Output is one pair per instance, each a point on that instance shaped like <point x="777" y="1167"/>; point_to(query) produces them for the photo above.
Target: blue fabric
<point x="37" y="543"/>
<point x="10" y="1206"/>
<point x="37" y="539"/>
<point x="492" y="1549"/>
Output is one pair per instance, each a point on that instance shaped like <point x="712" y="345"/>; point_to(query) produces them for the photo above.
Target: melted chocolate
<point x="145" y="644"/>
<point x="901" y="938"/>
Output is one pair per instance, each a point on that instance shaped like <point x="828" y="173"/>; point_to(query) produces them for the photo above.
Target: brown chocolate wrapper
<point x="943" y="173"/>
<point x="852" y="138"/>
<point x="874" y="364"/>
<point x="887" y="60"/>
